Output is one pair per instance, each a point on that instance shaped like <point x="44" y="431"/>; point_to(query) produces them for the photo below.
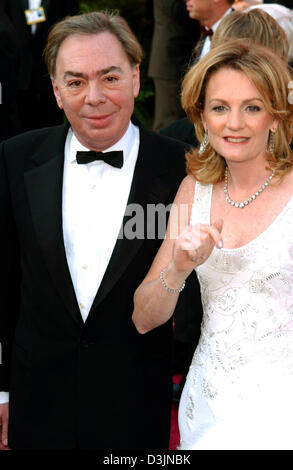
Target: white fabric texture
<point x="4" y="397"/>
<point x="238" y="392"/>
<point x="32" y="4"/>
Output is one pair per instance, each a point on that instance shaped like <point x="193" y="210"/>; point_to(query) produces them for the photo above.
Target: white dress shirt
<point x="32" y="4"/>
<point x="207" y="43"/>
<point x="95" y="196"/>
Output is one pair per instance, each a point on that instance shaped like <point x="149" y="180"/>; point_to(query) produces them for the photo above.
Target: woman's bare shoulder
<point x="186" y="190"/>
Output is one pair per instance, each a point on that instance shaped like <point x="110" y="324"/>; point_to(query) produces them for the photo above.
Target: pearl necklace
<point x="240" y="205"/>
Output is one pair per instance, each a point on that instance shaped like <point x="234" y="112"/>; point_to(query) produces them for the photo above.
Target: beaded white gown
<point x="239" y="389"/>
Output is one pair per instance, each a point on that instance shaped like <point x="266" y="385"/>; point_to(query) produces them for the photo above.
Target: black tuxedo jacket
<point x="92" y="385"/>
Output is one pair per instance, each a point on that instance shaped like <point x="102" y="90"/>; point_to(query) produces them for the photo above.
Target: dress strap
<point x="201" y="208"/>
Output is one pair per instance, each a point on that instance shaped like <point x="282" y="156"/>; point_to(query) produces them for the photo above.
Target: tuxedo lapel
<point x="44" y="189"/>
<point x="147" y="188"/>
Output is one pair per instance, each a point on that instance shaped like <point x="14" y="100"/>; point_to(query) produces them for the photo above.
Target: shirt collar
<point x="32" y="4"/>
<point x="125" y="144"/>
<point x="214" y="27"/>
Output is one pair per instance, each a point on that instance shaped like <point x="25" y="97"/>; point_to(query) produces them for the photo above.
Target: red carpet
<point x="174" y="434"/>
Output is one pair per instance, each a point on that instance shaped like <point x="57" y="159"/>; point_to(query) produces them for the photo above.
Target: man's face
<point x="200" y="9"/>
<point x="95" y="85"/>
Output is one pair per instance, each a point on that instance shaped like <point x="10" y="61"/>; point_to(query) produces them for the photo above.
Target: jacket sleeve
<point x="9" y="275"/>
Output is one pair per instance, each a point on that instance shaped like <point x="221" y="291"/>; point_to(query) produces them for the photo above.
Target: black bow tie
<point x="206" y="31"/>
<point x="114" y="158"/>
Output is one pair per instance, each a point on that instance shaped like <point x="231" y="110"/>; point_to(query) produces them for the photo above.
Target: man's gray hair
<point x="87" y="24"/>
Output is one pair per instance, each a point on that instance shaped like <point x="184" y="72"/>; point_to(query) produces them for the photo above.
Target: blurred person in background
<point x="174" y="38"/>
<point x="9" y="64"/>
<point x="32" y="20"/>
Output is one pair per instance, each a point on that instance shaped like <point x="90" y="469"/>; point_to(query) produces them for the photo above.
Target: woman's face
<point x="235" y="117"/>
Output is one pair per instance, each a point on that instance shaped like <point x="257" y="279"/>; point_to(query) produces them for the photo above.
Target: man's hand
<point x="4" y="414"/>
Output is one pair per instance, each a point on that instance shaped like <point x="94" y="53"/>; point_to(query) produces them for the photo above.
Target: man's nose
<point x="94" y="94"/>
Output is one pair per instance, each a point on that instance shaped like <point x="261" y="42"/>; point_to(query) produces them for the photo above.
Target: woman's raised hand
<point x="195" y="244"/>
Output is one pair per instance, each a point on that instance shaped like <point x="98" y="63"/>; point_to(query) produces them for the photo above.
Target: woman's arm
<point x="154" y="301"/>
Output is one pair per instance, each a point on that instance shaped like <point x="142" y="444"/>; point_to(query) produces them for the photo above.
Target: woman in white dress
<point x="232" y="221"/>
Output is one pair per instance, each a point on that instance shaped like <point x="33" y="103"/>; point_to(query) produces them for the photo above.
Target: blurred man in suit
<point x="209" y="13"/>
<point x="36" y="103"/>
<point x="174" y="38"/>
<point x="9" y="60"/>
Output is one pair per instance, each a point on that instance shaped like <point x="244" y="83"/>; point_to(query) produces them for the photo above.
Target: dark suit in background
<point x="286" y="3"/>
<point x="9" y="64"/>
<point x="174" y="37"/>
<point x="36" y="102"/>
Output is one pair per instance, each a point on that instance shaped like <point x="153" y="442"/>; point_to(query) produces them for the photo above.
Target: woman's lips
<point x="236" y="140"/>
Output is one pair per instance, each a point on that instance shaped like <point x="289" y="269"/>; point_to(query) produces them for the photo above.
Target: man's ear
<point x="136" y="80"/>
<point x="56" y="93"/>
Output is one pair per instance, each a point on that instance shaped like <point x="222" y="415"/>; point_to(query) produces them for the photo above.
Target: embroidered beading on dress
<point x="243" y="364"/>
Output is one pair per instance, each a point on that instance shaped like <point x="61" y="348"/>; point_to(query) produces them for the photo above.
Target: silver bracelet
<point x="173" y="291"/>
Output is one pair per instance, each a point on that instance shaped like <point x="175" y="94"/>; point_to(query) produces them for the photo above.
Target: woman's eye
<point x="219" y="109"/>
<point x="253" y="108"/>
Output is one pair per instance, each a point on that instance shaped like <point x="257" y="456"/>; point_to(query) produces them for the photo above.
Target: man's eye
<point x="75" y="84"/>
<point x="111" y="79"/>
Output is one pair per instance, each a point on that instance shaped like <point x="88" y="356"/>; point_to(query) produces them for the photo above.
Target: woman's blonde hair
<point x="270" y="76"/>
<point x="256" y="24"/>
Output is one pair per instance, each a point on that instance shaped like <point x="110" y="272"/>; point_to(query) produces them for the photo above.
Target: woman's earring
<point x="203" y="145"/>
<point x="271" y="142"/>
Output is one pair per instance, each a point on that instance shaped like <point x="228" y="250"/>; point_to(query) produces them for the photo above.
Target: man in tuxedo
<point x="77" y="239"/>
<point x="35" y="100"/>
